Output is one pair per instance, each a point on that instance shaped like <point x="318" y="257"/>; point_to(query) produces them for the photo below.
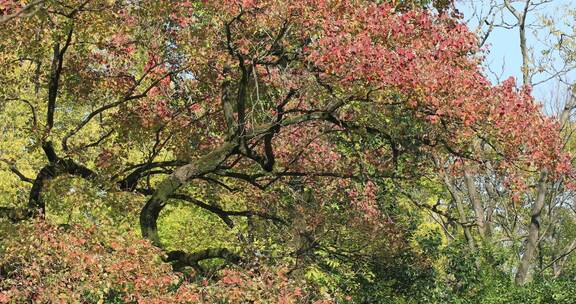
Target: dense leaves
<point x="74" y="264"/>
<point x="262" y="151"/>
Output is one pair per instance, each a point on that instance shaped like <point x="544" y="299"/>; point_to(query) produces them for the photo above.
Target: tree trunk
<point x="460" y="208"/>
<point x="533" y="231"/>
<point x="476" y="202"/>
<point x="493" y="197"/>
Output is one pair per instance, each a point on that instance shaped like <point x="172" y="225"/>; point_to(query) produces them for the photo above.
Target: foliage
<point x="324" y="151"/>
<point x="74" y="264"/>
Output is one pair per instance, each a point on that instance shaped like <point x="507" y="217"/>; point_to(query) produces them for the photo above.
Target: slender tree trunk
<point x="460" y="208"/>
<point x="533" y="231"/>
<point x="476" y="202"/>
<point x="493" y="197"/>
<point x="524" y="48"/>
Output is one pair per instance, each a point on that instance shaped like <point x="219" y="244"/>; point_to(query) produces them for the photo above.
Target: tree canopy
<point x="300" y="151"/>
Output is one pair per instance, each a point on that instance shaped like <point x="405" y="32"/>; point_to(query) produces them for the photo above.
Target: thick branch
<point x="182" y="258"/>
<point x="268" y="160"/>
<point x="241" y="98"/>
<point x="55" y="73"/>
<point x="51" y="171"/>
<point x="227" y="107"/>
<point x="181" y="175"/>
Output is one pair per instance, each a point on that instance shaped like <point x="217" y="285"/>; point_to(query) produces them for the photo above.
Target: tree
<point x="520" y="17"/>
<point x="294" y="107"/>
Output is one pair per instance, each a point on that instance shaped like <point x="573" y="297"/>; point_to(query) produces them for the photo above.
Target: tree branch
<point x="14" y="169"/>
<point x="55" y="73"/>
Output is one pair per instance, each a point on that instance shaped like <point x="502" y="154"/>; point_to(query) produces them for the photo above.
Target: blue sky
<point x="504" y="57"/>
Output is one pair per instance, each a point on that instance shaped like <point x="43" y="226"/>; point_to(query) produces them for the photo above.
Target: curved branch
<point x="97" y="142"/>
<point x="214" y="209"/>
<point x="14" y="169"/>
<point x="130" y="182"/>
<point x="219" y="183"/>
<point x="226" y="214"/>
<point x="181" y="175"/>
<point x="51" y="171"/>
<point x="32" y="109"/>
<point x="182" y="258"/>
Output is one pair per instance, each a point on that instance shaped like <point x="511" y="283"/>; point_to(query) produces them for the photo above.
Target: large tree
<point x="290" y="106"/>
